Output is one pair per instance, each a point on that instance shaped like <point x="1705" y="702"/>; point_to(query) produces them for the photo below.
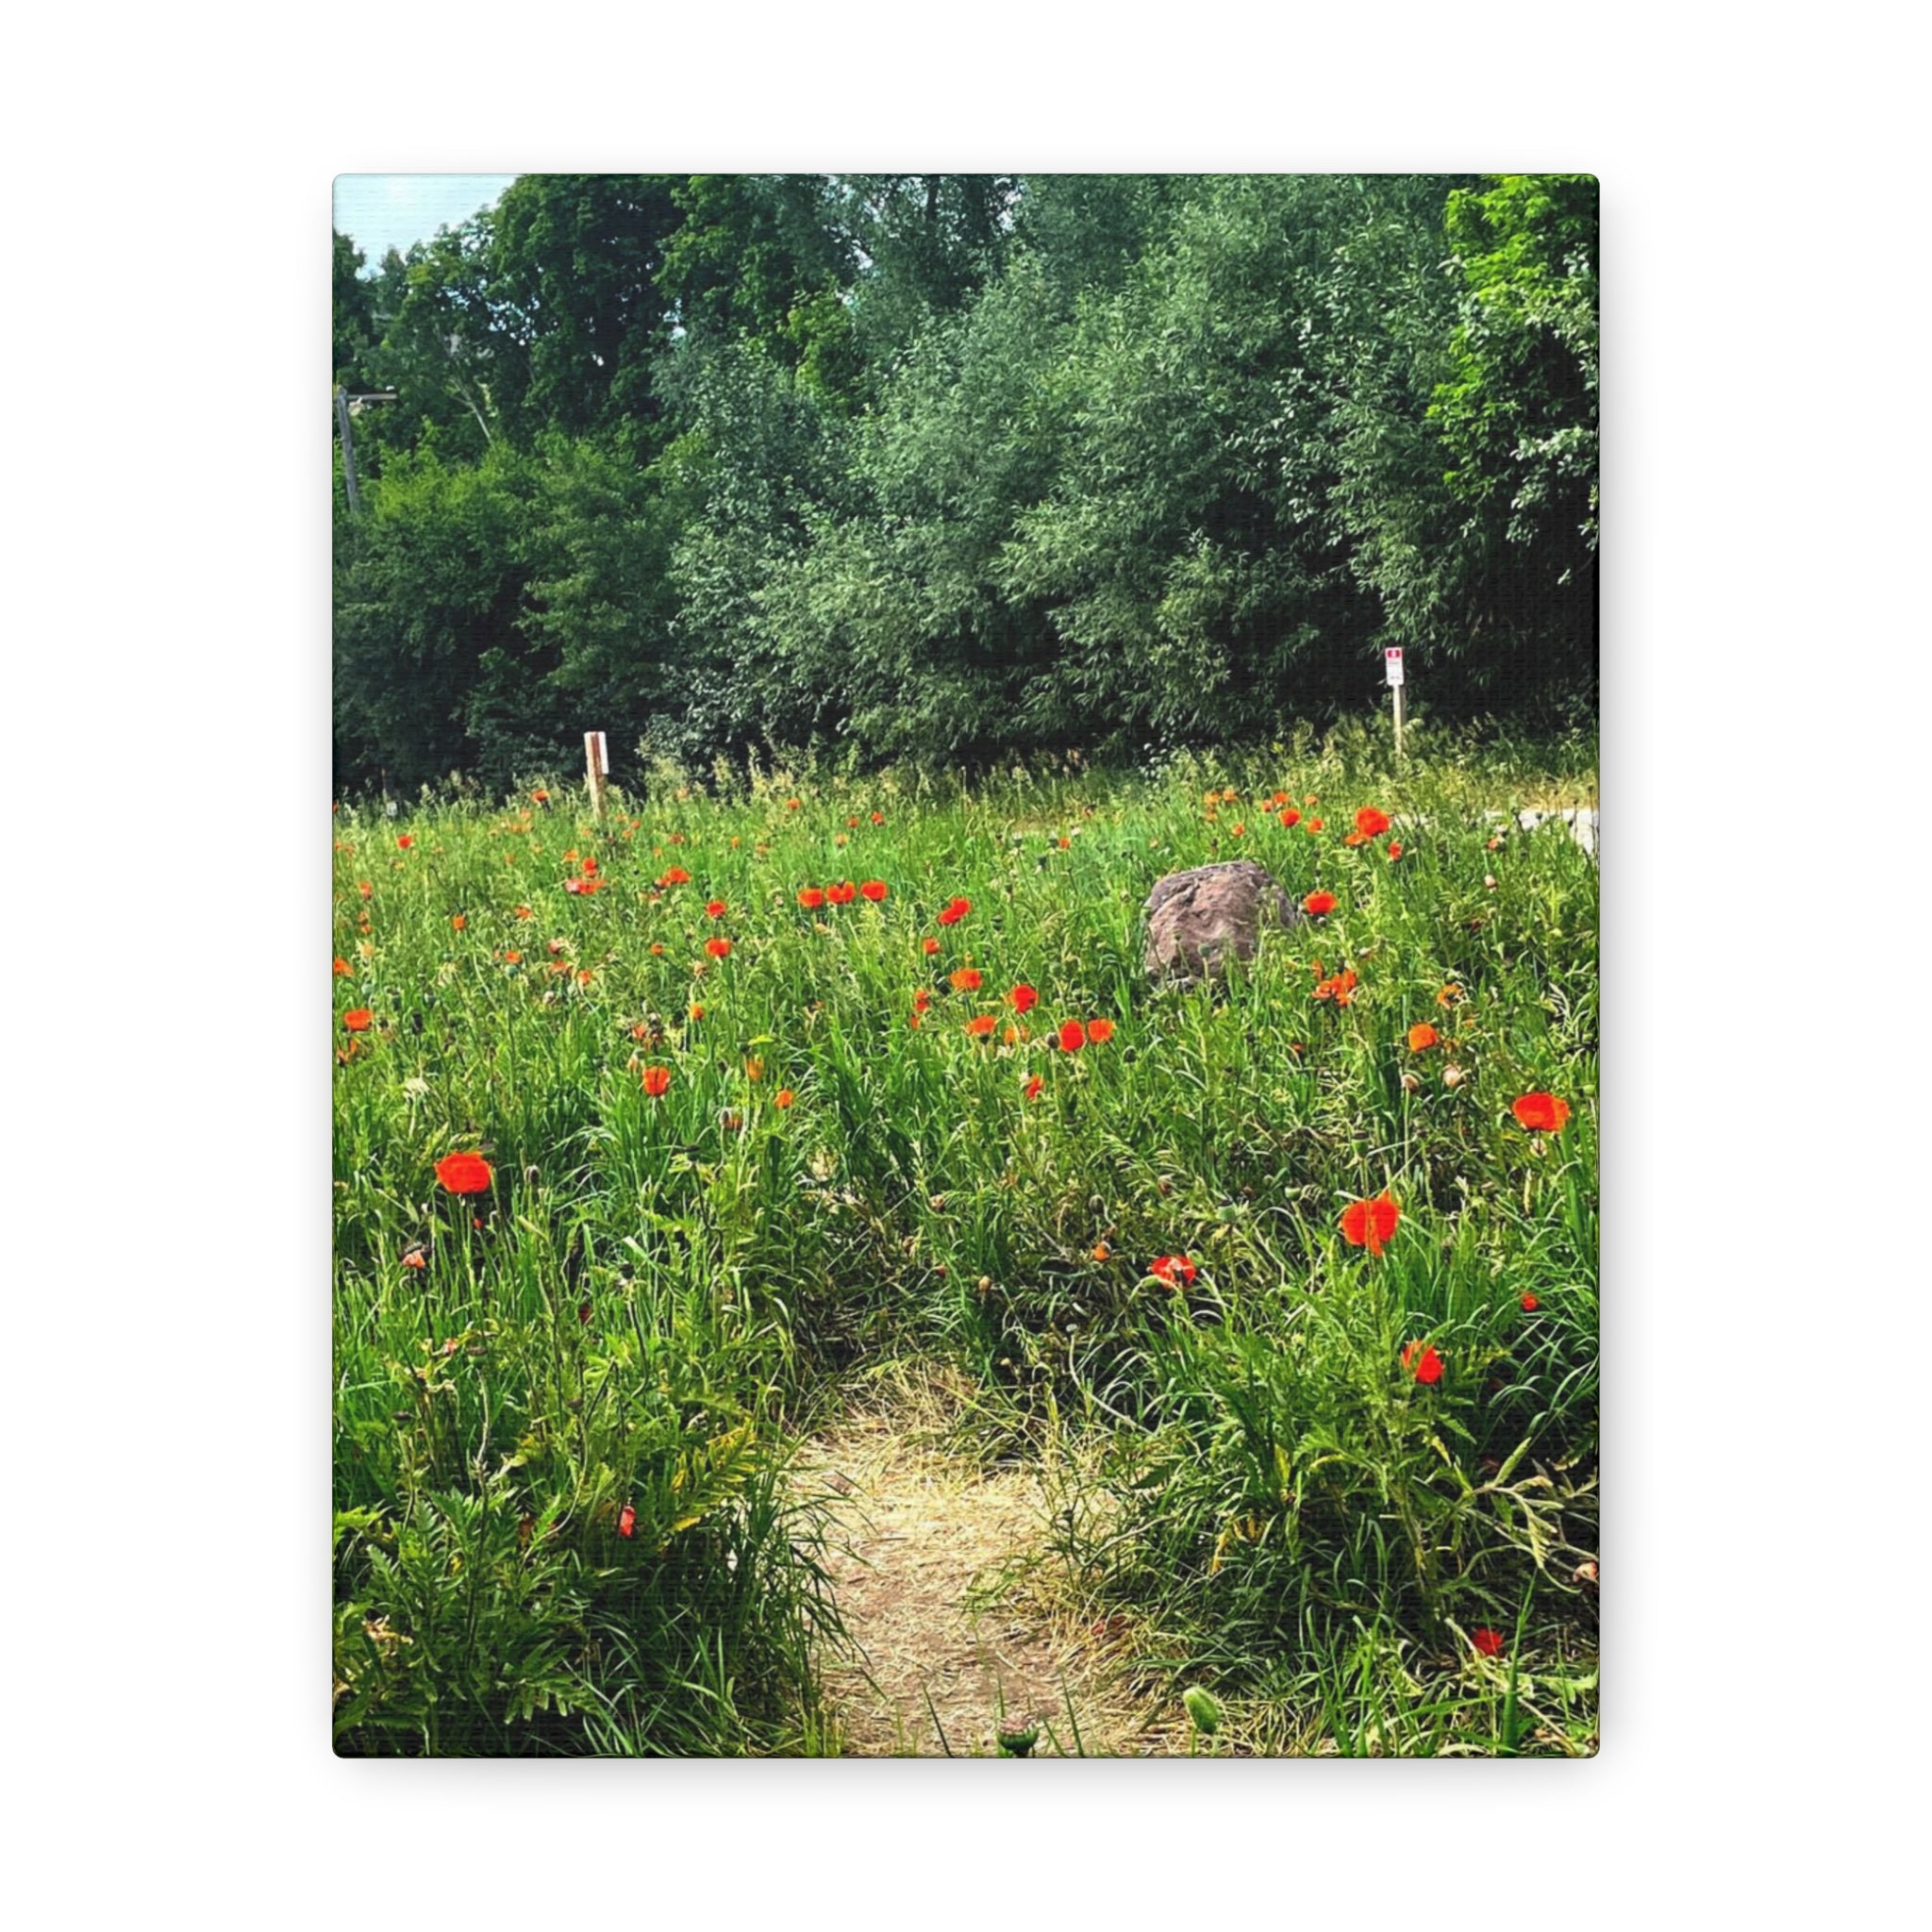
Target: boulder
<point x="1197" y="921"/>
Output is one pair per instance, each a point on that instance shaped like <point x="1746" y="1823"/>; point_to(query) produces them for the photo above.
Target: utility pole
<point x="345" y="406"/>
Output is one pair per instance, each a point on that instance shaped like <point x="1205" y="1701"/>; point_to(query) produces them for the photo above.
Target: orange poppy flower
<point x="1073" y="1036"/>
<point x="980" y="1025"/>
<point x="718" y="948"/>
<point x="1370" y="1223"/>
<point x="697" y="1013"/>
<point x="584" y="976"/>
<point x="965" y="980"/>
<point x="1235" y="831"/>
<point x="793" y="805"/>
<point x="1394" y="850"/>
<point x="656" y="1082"/>
<point x="1542" y="1113"/>
<point x="363" y="887"/>
<point x="874" y="889"/>
<point x="878" y="818"/>
<point x="1033" y="1087"/>
<point x="522" y="912"/>
<point x="1100" y="1031"/>
<point x="810" y="898"/>
<point x="511" y="958"/>
<point x="1102" y="1252"/>
<point x="415" y="1258"/>
<point x="922" y="999"/>
<point x="675" y="876"/>
<point x="1292" y="817"/>
<point x="1338" y="987"/>
<point x="464" y="1174"/>
<point x="1356" y="839"/>
<point x="1423" y="1359"/>
<point x="657" y="948"/>
<point x="540" y="797"/>
<point x="929" y="946"/>
<point x="1318" y="903"/>
<point x="356" y="1019"/>
<point x="754" y="1068"/>
<point x="1422" y="1036"/>
<point x="343" y="968"/>
<point x="459" y="919"/>
<point x="784" y="1097"/>
<point x="912" y="1020"/>
<point x="841" y="894"/>
<point x="1371" y="823"/>
<point x="714" y="909"/>
<point x="1314" y="825"/>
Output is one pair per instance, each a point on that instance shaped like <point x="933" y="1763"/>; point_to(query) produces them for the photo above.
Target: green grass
<point x="645" y="1305"/>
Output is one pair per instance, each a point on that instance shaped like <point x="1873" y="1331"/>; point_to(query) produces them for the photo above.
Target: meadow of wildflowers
<point x="647" y="1133"/>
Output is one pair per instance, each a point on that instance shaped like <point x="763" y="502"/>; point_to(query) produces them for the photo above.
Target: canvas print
<point x="964" y="1010"/>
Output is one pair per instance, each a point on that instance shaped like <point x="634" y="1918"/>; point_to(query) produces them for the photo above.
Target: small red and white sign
<point x="1391" y="664"/>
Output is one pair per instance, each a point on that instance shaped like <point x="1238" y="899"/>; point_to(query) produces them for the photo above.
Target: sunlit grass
<point x="649" y="1297"/>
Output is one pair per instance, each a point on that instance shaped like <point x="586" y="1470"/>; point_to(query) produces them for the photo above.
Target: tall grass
<point x="561" y="1524"/>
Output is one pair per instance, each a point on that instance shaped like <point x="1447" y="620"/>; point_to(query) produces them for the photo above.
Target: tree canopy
<point x="956" y="467"/>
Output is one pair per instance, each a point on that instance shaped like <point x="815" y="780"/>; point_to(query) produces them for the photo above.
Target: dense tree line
<point x="950" y="467"/>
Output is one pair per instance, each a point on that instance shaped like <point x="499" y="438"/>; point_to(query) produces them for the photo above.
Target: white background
<point x="166" y="1117"/>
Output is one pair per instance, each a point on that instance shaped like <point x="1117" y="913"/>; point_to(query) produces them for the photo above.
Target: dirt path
<point x="959" y="1626"/>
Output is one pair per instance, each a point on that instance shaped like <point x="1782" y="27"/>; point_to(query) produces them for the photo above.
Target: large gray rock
<point x="1197" y="921"/>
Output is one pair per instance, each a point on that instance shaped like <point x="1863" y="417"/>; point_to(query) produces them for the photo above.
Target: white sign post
<point x="1392" y="665"/>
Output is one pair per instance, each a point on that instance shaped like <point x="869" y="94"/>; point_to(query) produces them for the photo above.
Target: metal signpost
<point x="1392" y="665"/>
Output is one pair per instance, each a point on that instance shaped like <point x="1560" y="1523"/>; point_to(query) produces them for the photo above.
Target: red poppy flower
<point x="956" y="911"/>
<point x="1073" y="1036"/>
<point x="1530" y="1304"/>
<point x="656" y="1082"/>
<point x="793" y="805"/>
<point x="874" y="889"/>
<point x="841" y="894"/>
<point x="591" y="862"/>
<point x="1033" y="1087"/>
<point x="878" y="818"/>
<point x="1394" y="850"/>
<point x="404" y="843"/>
<point x="929" y="946"/>
<point x="810" y="898"/>
<point x="1542" y="1113"/>
<point x="1370" y="1223"/>
<point x="1371" y="823"/>
<point x="718" y="948"/>
<point x="675" y="876"/>
<point x="1175" y="1270"/>
<point x="1423" y="1359"/>
<point x="965" y="980"/>
<point x="980" y="1025"/>
<point x="697" y="1013"/>
<point x="463" y="1173"/>
<point x="356" y="1019"/>
<point x="912" y="1020"/>
<point x="1318" y="903"/>
<point x="1292" y="817"/>
<point x="1338" y="987"/>
<point x="1024" y="998"/>
<point x="344" y="968"/>
<point x="714" y="909"/>
<point x="1422" y="1036"/>
<point x="1489" y="1643"/>
<point x="1314" y="825"/>
<point x="626" y="1520"/>
<point x="540" y="797"/>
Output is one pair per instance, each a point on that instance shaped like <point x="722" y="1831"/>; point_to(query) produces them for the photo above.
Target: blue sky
<point x="383" y="212"/>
